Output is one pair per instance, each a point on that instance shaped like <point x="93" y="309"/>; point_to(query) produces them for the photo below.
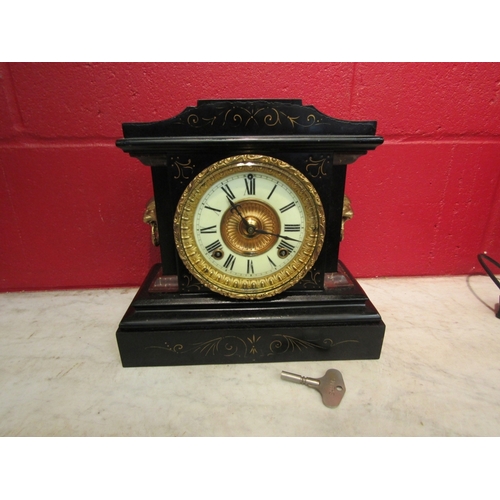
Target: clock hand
<point x="254" y="230"/>
<point x="235" y="207"/>
<point x="261" y="231"/>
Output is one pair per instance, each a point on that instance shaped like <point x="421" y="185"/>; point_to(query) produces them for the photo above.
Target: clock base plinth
<point x="167" y="329"/>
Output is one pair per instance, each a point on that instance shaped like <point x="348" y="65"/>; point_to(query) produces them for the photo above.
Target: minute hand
<point x="236" y="208"/>
<point x="261" y="231"/>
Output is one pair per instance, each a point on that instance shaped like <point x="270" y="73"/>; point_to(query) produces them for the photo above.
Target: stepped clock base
<point x="172" y="328"/>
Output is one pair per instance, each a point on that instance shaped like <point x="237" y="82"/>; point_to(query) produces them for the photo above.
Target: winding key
<point x="331" y="385"/>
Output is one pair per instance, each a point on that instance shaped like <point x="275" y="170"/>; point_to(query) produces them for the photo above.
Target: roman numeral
<point x="228" y="192"/>
<point x="229" y="264"/>
<point x="209" y="230"/>
<point x="272" y="263"/>
<point x="211" y="208"/>
<point x="272" y="191"/>
<point x="292" y="228"/>
<point x="284" y="245"/>
<point x="250" y="184"/>
<point x="287" y="207"/>
<point x="250" y="266"/>
<point x="213" y="246"/>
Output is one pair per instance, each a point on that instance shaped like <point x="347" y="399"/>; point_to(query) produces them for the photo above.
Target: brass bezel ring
<point x="249" y="287"/>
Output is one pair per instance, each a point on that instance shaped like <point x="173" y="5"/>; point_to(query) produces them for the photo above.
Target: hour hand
<point x="237" y="209"/>
<point x="233" y="204"/>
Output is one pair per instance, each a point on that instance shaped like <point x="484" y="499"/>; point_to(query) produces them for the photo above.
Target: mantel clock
<point x="248" y="212"/>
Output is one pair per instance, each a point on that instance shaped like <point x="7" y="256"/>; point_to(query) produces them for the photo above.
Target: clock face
<point x="249" y="226"/>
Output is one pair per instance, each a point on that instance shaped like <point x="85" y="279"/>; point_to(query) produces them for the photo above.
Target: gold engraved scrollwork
<point x="241" y="116"/>
<point x="272" y="120"/>
<point x="232" y="345"/>
<point x="285" y="343"/>
<point x="190" y="283"/>
<point x="183" y="169"/>
<point x="228" y="346"/>
<point x="316" y="168"/>
<point x="311" y="120"/>
<point x="330" y="343"/>
<point x="311" y="278"/>
<point x="253" y="342"/>
<point x="176" y="349"/>
<point x="195" y="121"/>
<point x="236" y="118"/>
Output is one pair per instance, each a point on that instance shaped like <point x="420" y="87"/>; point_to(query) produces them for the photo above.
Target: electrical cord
<point x="481" y="258"/>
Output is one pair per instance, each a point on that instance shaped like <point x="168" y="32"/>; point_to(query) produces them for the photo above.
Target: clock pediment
<point x="249" y="117"/>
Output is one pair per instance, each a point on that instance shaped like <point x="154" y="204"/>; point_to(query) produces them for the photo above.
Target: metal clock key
<point x="331" y="385"/>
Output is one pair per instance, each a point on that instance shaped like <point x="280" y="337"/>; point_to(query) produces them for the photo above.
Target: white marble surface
<point x="439" y="373"/>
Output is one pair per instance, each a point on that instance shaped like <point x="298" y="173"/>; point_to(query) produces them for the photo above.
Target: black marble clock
<point x="249" y="201"/>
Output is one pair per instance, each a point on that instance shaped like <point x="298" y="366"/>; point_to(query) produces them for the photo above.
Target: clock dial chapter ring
<point x="240" y="228"/>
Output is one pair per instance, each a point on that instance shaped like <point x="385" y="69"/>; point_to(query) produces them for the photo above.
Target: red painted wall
<point x="426" y="202"/>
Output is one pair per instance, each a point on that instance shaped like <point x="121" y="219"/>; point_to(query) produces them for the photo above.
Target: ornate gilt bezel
<point x="249" y="287"/>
